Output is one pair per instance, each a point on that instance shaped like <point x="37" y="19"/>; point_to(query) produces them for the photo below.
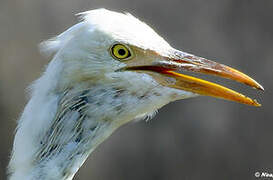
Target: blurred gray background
<point x="200" y="138"/>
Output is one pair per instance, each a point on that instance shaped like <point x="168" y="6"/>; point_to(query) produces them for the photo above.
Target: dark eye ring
<point x="120" y="52"/>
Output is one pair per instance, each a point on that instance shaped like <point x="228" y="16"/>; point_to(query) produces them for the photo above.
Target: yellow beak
<point x="170" y="66"/>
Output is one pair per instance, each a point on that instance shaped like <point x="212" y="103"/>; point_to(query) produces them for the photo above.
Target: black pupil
<point x="121" y="52"/>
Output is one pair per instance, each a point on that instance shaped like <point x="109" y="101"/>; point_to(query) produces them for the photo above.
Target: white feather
<point x="47" y="144"/>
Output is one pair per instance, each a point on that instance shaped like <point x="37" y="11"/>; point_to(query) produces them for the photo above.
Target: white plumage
<point x="82" y="53"/>
<point x="83" y="95"/>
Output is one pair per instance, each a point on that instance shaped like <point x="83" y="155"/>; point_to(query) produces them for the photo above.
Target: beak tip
<point x="260" y="87"/>
<point x="256" y="85"/>
<point x="255" y="103"/>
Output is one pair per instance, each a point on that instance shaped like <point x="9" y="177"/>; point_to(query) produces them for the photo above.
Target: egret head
<point x="107" y="47"/>
<point x="107" y="70"/>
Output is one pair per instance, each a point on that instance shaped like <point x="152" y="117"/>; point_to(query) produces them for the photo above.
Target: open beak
<point x="171" y="66"/>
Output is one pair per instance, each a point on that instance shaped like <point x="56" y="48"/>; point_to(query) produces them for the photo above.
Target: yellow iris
<point x="120" y="51"/>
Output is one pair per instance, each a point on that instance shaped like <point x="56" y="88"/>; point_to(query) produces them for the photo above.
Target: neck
<point x="69" y="130"/>
<point x="59" y="129"/>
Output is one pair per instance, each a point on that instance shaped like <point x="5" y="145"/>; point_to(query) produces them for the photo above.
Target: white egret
<point x="107" y="70"/>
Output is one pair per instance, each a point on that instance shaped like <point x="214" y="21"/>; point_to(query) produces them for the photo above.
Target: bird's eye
<point x="120" y="52"/>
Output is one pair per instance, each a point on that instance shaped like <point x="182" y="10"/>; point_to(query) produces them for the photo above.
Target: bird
<point x="105" y="71"/>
